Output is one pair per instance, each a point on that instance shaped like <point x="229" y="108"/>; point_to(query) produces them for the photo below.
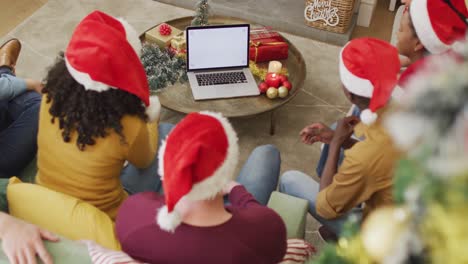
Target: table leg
<point x="272" y="123"/>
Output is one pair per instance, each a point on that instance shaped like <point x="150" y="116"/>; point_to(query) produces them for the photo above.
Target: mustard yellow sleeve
<point x="144" y="148"/>
<point x="347" y="190"/>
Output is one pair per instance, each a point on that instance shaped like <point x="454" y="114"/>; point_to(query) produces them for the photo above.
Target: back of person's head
<point x="196" y="161"/>
<point x="438" y="24"/>
<point x="99" y="80"/>
<point x="369" y="69"/>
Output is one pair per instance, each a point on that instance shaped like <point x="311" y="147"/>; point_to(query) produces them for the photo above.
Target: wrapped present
<point x="178" y="52"/>
<point x="264" y="33"/>
<point x="268" y="49"/>
<point x="162" y="35"/>
<point x="179" y="42"/>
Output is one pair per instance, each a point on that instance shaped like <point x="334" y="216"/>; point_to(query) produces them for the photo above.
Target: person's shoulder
<point x="141" y="202"/>
<point x="260" y="217"/>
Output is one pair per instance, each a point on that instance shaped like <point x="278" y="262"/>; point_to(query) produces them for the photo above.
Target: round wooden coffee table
<point x="179" y="98"/>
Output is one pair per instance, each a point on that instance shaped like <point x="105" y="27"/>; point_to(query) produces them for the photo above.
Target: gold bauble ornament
<point x="272" y="93"/>
<point x="283" y="92"/>
<point x="381" y="231"/>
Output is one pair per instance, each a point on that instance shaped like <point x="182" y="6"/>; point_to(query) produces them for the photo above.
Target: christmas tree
<point x="161" y="68"/>
<point x="201" y="13"/>
<point x="428" y="222"/>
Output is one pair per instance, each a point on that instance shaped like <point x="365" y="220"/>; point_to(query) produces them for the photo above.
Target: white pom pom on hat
<point x="168" y="221"/>
<point x="368" y="117"/>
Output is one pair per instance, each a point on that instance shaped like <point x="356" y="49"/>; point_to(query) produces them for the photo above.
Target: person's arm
<point x="11" y="86"/>
<point x="343" y="132"/>
<point x="21" y="241"/>
<point x="348" y="189"/>
<point x="145" y="146"/>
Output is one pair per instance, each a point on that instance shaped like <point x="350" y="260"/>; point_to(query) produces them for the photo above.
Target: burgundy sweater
<point x="255" y="234"/>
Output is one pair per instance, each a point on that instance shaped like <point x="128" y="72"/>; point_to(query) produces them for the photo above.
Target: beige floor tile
<point x="14" y="12"/>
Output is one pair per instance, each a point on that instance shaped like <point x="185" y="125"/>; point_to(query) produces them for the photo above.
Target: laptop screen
<point x="214" y="47"/>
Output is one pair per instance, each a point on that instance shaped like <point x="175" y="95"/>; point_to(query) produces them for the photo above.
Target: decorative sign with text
<point x="322" y="10"/>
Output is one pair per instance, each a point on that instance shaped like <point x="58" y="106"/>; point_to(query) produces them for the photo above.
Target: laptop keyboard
<point x="205" y="79"/>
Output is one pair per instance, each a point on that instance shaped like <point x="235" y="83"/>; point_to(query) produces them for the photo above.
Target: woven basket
<point x="330" y="15"/>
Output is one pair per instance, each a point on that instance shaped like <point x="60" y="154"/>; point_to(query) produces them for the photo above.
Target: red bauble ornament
<point x="283" y="78"/>
<point x="288" y="85"/>
<point x="263" y="87"/>
<point x="273" y="80"/>
<point x="165" y="30"/>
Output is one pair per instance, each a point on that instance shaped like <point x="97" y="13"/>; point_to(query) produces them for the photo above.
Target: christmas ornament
<point x="283" y="92"/>
<point x="263" y="87"/>
<point x="287" y="84"/>
<point x="273" y="80"/>
<point x="272" y="93"/>
<point x="165" y="30"/>
<point x="261" y="72"/>
<point x="382" y="230"/>
<point x="283" y="78"/>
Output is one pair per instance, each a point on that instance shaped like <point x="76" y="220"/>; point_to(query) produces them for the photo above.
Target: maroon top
<point x="254" y="234"/>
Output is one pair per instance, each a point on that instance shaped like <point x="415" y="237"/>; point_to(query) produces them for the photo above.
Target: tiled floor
<point x="47" y="31"/>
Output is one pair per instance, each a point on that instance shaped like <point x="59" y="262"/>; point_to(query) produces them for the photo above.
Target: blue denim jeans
<point x="301" y="185"/>
<point x="18" y="131"/>
<point x="259" y="175"/>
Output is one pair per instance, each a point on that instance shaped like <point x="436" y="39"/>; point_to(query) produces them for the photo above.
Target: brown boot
<point x="9" y="53"/>
<point x="327" y="234"/>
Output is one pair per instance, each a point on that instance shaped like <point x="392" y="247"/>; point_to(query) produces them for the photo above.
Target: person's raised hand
<point x="316" y="132"/>
<point x="21" y="242"/>
<point x="345" y="129"/>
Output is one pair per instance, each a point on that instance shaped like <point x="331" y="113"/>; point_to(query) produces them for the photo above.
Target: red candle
<point x="273" y="80"/>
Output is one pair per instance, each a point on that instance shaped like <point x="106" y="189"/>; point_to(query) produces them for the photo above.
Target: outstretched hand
<point x="21" y="242"/>
<point x="316" y="132"/>
<point x="344" y="129"/>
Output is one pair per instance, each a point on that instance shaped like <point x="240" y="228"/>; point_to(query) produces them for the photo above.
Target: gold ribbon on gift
<point x="259" y="43"/>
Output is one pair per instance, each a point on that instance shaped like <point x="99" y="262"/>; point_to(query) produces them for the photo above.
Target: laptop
<point x="218" y="62"/>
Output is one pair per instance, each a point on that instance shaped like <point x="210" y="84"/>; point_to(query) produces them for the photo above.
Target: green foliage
<point x="351" y="227"/>
<point x="201" y="13"/>
<point x="329" y="255"/>
<point x="161" y="68"/>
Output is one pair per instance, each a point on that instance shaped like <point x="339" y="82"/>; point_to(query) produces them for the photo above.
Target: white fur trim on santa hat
<point x="168" y="221"/>
<point x="132" y="36"/>
<point x="208" y="188"/>
<point x="353" y="83"/>
<point x="368" y="117"/>
<point x="423" y="26"/>
<point x="162" y="150"/>
<point x="85" y="80"/>
<point x="153" y="110"/>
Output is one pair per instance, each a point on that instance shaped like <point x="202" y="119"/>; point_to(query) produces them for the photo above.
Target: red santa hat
<point x="437" y="25"/>
<point x="197" y="159"/>
<point x="369" y="67"/>
<point x="103" y="54"/>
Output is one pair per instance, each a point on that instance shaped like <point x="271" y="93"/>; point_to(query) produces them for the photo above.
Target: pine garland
<point x="201" y="13"/>
<point x="161" y="68"/>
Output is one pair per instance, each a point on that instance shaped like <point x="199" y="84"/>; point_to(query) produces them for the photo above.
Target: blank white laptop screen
<point x="222" y="47"/>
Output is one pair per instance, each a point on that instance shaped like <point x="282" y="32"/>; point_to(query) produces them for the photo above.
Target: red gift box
<point x="264" y="33"/>
<point x="268" y="49"/>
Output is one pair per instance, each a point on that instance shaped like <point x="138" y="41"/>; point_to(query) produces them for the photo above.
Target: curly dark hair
<point x="91" y="114"/>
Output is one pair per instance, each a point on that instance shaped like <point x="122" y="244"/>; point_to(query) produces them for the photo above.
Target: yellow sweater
<point x="93" y="175"/>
